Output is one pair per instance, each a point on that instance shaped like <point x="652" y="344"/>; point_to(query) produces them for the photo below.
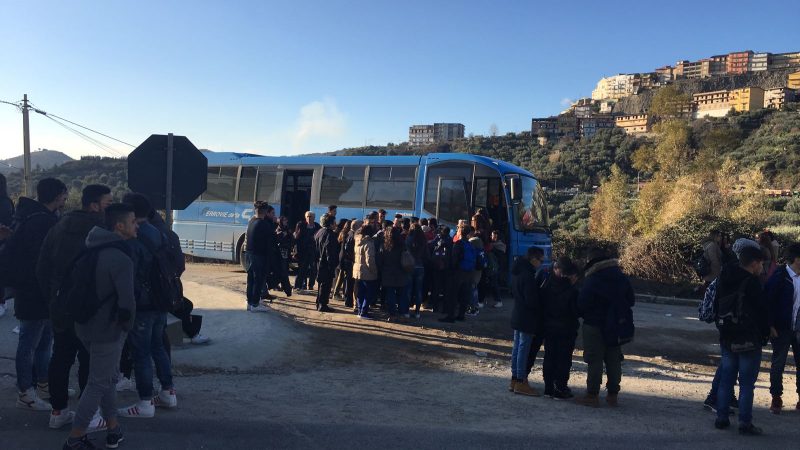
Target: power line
<point x="95" y="142"/>
<point x="81" y="126"/>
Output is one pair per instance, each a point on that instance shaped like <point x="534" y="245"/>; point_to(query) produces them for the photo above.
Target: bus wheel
<point x="241" y="248"/>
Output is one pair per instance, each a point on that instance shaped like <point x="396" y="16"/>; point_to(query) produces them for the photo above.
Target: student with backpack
<point x="105" y="269"/>
<point x="560" y="304"/>
<point x="327" y="247"/>
<point x="440" y="268"/>
<point x="605" y="302"/>
<point x="783" y="300"/>
<point x="6" y="216"/>
<point x="153" y="301"/>
<point x="64" y="242"/>
<point x="394" y="277"/>
<point x="526" y="318"/>
<point x="459" y="291"/>
<point x="18" y="257"/>
<point x="741" y="318"/>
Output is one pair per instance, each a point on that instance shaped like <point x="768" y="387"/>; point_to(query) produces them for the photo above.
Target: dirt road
<point x="297" y="378"/>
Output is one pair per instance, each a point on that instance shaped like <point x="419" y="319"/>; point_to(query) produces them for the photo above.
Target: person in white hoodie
<point x="105" y="332"/>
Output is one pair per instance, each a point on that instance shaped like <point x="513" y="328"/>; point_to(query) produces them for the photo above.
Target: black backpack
<point x="731" y="316"/>
<point x="163" y="284"/>
<point x="701" y="264"/>
<point x="76" y="298"/>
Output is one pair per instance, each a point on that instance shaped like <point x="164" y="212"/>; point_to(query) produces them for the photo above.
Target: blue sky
<point x="306" y="76"/>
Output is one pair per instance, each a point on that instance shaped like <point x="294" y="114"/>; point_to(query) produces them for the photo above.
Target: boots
<point x="611" y="399"/>
<point x="523" y="388"/>
<point x="777" y="404"/>
<point x="588" y="400"/>
<point x="512" y="385"/>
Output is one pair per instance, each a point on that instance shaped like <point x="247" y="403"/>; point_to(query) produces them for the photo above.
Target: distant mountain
<point x="43" y="159"/>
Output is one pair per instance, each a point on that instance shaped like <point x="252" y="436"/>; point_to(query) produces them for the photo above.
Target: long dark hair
<point x="344" y="230"/>
<point x="392" y="239"/>
<point x="418" y="239"/>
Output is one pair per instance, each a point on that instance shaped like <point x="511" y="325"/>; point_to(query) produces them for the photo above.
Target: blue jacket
<point x="780" y="299"/>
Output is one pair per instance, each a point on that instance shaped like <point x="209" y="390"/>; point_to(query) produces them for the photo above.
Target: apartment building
<point x="589" y="126"/>
<point x="544" y="127"/>
<point x="759" y="62"/>
<point x="746" y="99"/>
<point x="421" y="135"/>
<point x="634" y="124"/>
<point x="445" y="132"/>
<point x="738" y="62"/>
<point x="665" y="74"/>
<point x="718" y="65"/>
<point x="793" y="80"/>
<point x="615" y="87"/>
<point x="784" y="60"/>
<point x="778" y="97"/>
<point x="711" y="104"/>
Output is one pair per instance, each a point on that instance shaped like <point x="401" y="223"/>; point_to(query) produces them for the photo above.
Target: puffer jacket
<point x="365" y="266"/>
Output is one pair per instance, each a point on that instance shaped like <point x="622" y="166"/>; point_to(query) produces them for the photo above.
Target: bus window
<point x="221" y="186"/>
<point x="265" y="188"/>
<point x="391" y="187"/>
<point x="459" y="170"/>
<point x="342" y="186"/>
<point x="531" y="213"/>
<point x="247" y="184"/>
<point x="452" y="200"/>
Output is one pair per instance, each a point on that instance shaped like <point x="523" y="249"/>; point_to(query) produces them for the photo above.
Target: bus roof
<point x="235" y="159"/>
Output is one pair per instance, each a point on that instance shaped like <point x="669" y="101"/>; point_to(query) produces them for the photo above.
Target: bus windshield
<point x="531" y="213"/>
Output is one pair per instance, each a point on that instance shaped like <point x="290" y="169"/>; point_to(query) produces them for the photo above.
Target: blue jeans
<point x="366" y="295"/>
<point x="416" y="286"/>
<point x="780" y="350"/>
<point x="33" y="352"/>
<point x="746" y="365"/>
<point x="147" y="347"/>
<point x="715" y="384"/>
<point x="519" y="355"/>
<point x="256" y="277"/>
<point x="396" y="299"/>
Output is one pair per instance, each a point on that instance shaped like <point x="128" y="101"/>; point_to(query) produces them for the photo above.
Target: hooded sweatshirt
<point x="114" y="277"/>
<point x="605" y="287"/>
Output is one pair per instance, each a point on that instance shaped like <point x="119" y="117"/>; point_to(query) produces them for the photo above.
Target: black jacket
<point x="62" y="245"/>
<point x="731" y="279"/>
<point x="327" y="246"/>
<point x="260" y="237"/>
<point x="560" y="299"/>
<point x="604" y="287"/>
<point x="20" y="254"/>
<point x="527" y="315"/>
<point x="285" y="240"/>
<point x="347" y="253"/>
<point x="304" y="238"/>
<point x="6" y="211"/>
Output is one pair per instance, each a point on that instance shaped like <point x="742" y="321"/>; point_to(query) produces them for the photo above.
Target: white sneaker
<point x="2" y="309"/>
<point x="200" y="339"/>
<point x="498" y="305"/>
<point x="15" y="330"/>
<point x="43" y="391"/>
<point x="97" y="424"/>
<point x="257" y="308"/>
<point x="125" y="384"/>
<point x="29" y="400"/>
<point x="143" y="409"/>
<point x="59" y="418"/>
<point x="166" y="399"/>
<point x="480" y="305"/>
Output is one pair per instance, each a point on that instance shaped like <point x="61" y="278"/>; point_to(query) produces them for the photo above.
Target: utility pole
<point x="168" y="190"/>
<point x="26" y="147"/>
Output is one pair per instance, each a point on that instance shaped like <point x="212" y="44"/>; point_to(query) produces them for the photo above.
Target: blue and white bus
<point x="448" y="186"/>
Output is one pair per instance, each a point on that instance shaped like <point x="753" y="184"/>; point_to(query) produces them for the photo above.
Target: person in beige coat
<point x="365" y="270"/>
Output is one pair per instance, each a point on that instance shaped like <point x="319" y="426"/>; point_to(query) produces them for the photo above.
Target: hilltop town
<point x="714" y="86"/>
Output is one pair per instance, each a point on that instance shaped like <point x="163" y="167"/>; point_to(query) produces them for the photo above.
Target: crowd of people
<point x="96" y="285"/>
<point x="753" y="301"/>
<point x="376" y="267"/>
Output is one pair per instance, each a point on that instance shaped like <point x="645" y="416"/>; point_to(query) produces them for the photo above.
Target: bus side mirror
<point x="516" y="189"/>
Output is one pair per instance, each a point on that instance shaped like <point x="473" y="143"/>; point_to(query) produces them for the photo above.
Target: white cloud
<point x="319" y="119"/>
<point x="567" y="102"/>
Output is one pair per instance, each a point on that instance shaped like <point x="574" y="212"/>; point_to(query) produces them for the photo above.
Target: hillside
<point x="43" y="159"/>
<point x="639" y="103"/>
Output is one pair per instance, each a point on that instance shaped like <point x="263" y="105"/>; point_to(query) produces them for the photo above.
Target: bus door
<point x="452" y="200"/>
<point x="296" y="194"/>
<point x="489" y="195"/>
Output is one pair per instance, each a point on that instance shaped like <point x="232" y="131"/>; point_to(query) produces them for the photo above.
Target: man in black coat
<point x="606" y="296"/>
<point x="32" y="222"/>
<point x="526" y="317"/>
<point x="63" y="244"/>
<point x="560" y="304"/>
<point x="327" y="245"/>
